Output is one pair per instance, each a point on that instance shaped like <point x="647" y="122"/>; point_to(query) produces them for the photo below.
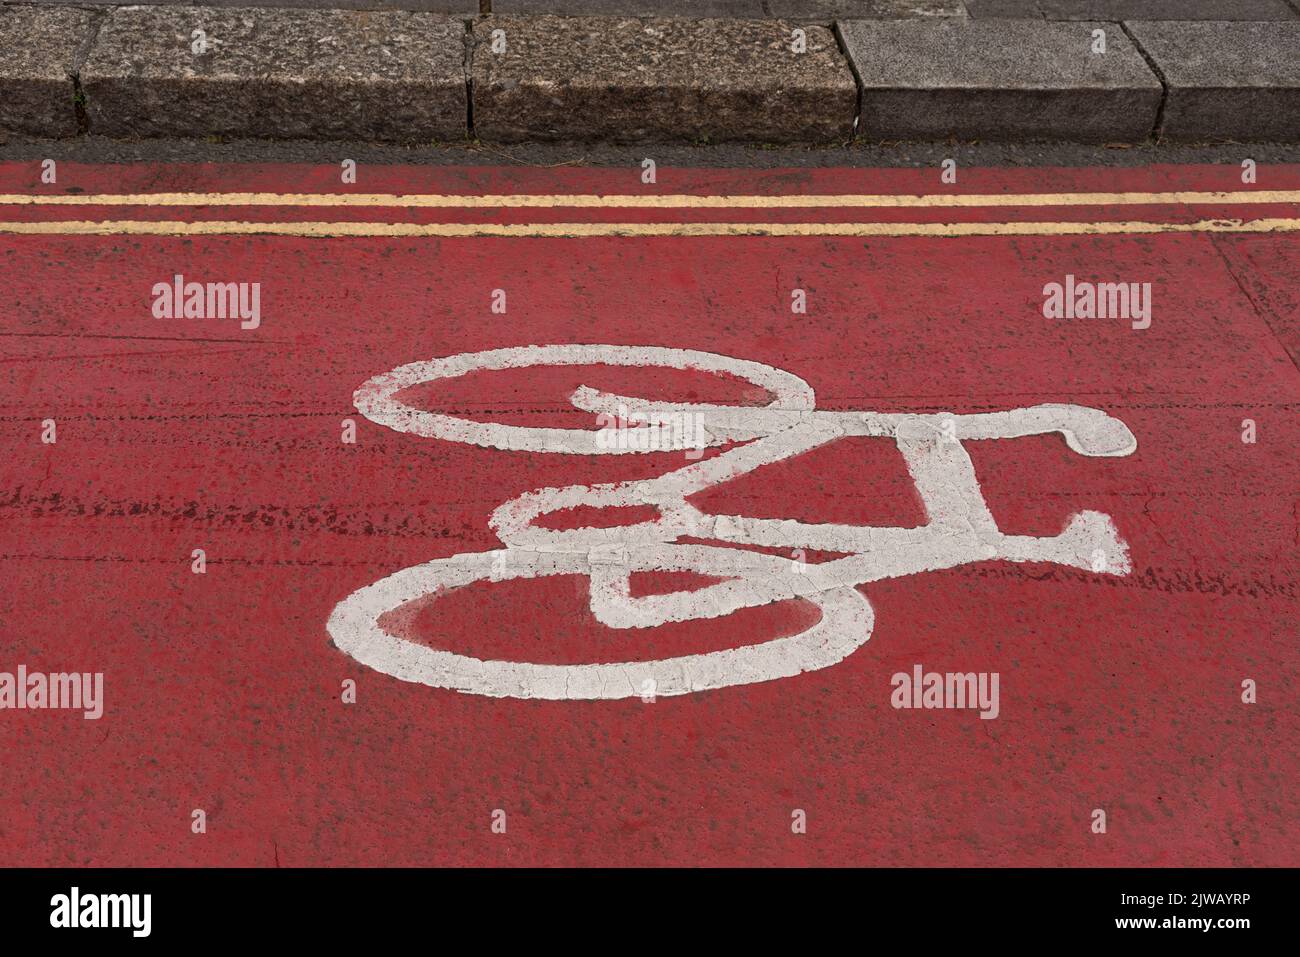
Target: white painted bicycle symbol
<point x="960" y="527"/>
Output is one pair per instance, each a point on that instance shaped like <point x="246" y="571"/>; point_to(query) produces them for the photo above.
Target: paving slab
<point x="1000" y="79"/>
<point x="390" y="76"/>
<point x="1166" y="9"/>
<point x="1004" y="9"/>
<point x="466" y="7"/>
<point x="1115" y="10"/>
<point x="1226" y="81"/>
<point x="672" y="79"/>
<point x="825" y="10"/>
<point x="39" y="48"/>
<point x="701" y="9"/>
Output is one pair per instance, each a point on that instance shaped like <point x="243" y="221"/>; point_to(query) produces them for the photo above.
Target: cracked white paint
<point x="959" y="528"/>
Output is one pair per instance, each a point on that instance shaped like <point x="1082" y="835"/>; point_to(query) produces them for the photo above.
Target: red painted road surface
<point x="223" y="690"/>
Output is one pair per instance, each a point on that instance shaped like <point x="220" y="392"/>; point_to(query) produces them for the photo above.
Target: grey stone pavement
<point x="767" y="72"/>
<point x="823" y="11"/>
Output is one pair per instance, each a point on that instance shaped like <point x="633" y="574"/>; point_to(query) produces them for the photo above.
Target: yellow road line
<point x="675" y="201"/>
<point x="581" y="230"/>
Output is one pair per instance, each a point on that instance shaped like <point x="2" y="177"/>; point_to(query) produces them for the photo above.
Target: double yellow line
<point x="321" y="230"/>
<point x="193" y="200"/>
